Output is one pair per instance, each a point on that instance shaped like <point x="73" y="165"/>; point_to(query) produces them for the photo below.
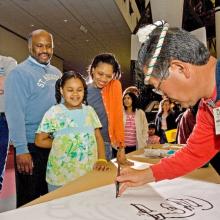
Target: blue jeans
<point x="3" y="145"/>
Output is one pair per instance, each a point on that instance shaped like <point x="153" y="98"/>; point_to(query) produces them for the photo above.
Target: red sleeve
<point x="201" y="146"/>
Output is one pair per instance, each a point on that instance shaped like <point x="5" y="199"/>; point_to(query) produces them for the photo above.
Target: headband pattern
<point x="143" y="35"/>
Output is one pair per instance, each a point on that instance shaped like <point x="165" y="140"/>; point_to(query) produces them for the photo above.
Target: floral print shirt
<point x="74" y="147"/>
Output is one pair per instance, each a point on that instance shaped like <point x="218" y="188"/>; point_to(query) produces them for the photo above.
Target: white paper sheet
<point x="179" y="198"/>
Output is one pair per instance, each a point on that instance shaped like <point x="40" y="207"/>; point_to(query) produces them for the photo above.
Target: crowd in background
<point x="62" y="128"/>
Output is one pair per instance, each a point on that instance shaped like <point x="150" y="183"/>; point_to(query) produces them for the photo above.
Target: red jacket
<point x="201" y="146"/>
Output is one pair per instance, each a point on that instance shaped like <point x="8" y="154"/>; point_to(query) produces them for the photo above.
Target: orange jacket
<point x="112" y="99"/>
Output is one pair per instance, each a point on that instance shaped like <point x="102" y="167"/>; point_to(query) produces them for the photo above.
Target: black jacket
<point x="171" y="122"/>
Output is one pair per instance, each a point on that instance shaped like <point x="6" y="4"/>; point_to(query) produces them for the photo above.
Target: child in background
<point x="132" y="89"/>
<point x="72" y="132"/>
<point x="135" y="124"/>
<point x="105" y="96"/>
<point x="152" y="138"/>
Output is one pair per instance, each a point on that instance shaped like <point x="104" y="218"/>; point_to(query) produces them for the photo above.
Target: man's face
<point x="41" y="47"/>
<point x="178" y="88"/>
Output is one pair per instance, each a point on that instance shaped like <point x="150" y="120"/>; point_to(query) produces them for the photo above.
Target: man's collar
<point x="36" y="62"/>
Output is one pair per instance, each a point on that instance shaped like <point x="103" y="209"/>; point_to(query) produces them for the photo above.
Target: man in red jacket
<point x="180" y="67"/>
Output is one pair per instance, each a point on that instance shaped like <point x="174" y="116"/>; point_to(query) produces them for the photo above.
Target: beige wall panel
<point x="16" y="47"/>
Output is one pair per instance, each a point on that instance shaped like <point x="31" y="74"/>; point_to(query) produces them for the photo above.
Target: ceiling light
<point x="83" y="29"/>
<point x="65" y="20"/>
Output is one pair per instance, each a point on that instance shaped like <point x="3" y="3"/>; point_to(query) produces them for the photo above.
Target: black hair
<point x="134" y="99"/>
<point x="61" y="82"/>
<point x="151" y="125"/>
<point x="178" y="44"/>
<point x="109" y="59"/>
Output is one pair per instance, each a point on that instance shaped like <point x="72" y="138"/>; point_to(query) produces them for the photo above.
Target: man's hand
<point x="130" y="177"/>
<point x="24" y="163"/>
<point x="121" y="158"/>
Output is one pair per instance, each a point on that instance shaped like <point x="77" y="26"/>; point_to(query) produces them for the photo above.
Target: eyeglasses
<point x="157" y="90"/>
<point x="164" y="75"/>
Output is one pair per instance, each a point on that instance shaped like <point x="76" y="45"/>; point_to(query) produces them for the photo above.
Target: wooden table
<point x="96" y="179"/>
<point x="207" y="174"/>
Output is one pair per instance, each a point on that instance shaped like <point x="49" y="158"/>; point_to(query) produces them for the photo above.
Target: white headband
<point x="143" y="35"/>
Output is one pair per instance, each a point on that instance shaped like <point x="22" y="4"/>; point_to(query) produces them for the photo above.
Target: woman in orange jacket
<point x="105" y="96"/>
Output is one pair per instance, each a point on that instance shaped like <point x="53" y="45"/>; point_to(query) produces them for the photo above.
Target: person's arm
<point x="130" y="177"/>
<point x="8" y="63"/>
<point x="16" y="98"/>
<point x="16" y="95"/>
<point x="100" y="144"/>
<point x="117" y="124"/>
<point x="48" y="125"/>
<point x="201" y="146"/>
<point x="43" y="140"/>
<point x="158" y="124"/>
<point x="102" y="163"/>
<point x="24" y="163"/>
<point x="144" y="127"/>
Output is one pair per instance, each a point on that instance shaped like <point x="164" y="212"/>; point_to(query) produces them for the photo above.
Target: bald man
<point x="29" y="93"/>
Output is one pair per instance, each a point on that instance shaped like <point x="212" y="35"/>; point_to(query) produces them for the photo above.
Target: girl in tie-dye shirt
<point x="71" y="130"/>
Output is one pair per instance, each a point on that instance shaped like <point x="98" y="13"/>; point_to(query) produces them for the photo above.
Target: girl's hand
<point x="101" y="166"/>
<point x="121" y="158"/>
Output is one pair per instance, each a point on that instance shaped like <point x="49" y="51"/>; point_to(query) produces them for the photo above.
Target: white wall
<point x="168" y="10"/>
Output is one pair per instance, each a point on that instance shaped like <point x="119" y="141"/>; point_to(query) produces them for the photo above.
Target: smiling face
<point x="102" y="74"/>
<point x="73" y="93"/>
<point x="41" y="46"/>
